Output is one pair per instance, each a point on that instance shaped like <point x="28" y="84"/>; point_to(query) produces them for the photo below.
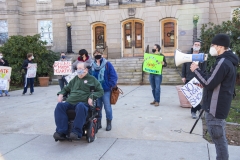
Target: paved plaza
<point x="140" y="131"/>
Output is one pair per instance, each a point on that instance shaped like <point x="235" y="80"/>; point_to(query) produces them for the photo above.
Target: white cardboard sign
<point x="62" y="67"/>
<point x="5" y="74"/>
<point x="32" y="70"/>
<point x="70" y="76"/>
<point x="192" y="92"/>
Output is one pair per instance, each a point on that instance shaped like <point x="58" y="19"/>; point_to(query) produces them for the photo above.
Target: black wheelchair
<point x="90" y="127"/>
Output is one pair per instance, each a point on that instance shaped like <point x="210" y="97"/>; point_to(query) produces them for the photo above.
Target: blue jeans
<point x="105" y="100"/>
<point x="155" y="81"/>
<point x="62" y="82"/>
<point x="216" y="129"/>
<point x="5" y="91"/>
<point x="28" y="81"/>
<point x="61" y="118"/>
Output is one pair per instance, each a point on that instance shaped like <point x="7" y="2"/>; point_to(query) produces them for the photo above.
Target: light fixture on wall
<point x="69" y="24"/>
<point x="195" y="19"/>
<point x="69" y="38"/>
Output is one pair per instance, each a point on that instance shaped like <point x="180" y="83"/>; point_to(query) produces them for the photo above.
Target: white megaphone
<point x="180" y="57"/>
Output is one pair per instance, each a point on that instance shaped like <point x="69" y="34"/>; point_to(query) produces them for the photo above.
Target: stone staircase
<point x="129" y="72"/>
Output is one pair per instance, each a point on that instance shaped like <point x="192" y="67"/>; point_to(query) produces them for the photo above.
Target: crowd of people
<point x="218" y="89"/>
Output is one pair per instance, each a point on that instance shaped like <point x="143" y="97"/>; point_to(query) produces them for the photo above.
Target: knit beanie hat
<point x="221" y="40"/>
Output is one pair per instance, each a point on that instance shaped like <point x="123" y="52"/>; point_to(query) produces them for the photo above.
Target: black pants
<point x="197" y="108"/>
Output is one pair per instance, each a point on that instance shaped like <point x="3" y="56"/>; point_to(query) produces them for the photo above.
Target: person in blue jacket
<point x="105" y="73"/>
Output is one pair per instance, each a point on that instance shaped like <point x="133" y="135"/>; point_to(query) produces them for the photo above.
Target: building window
<point x="43" y="1"/>
<point x="128" y="35"/>
<point x="236" y="13"/>
<point x="3" y="31"/>
<point x="97" y="2"/>
<point x="169" y="34"/>
<point x="45" y="30"/>
<point x="131" y="1"/>
<point x="138" y="35"/>
<point x="99" y="37"/>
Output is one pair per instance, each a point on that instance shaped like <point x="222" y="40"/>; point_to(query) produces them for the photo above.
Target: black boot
<point x="99" y="125"/>
<point x="109" y="125"/>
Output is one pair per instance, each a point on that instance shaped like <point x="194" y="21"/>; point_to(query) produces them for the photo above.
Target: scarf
<point x="100" y="68"/>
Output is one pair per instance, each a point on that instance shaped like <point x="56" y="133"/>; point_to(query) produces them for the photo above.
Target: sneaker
<point x="156" y="104"/>
<point x="1" y="95"/>
<point x="7" y="94"/>
<point x="23" y="94"/>
<point x="59" y="136"/>
<point x="30" y="93"/>
<point x="194" y="116"/>
<point x="152" y="103"/>
<point x="74" y="136"/>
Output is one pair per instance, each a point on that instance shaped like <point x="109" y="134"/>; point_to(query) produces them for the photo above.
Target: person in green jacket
<point x="80" y="98"/>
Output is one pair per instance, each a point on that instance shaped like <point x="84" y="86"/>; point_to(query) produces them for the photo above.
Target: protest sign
<point x="32" y="70"/>
<point x="70" y="76"/>
<point x="152" y="63"/>
<point x="5" y="74"/>
<point x="62" y="67"/>
<point x="192" y="92"/>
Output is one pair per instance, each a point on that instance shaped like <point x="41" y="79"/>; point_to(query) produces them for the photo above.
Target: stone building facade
<point x="124" y="27"/>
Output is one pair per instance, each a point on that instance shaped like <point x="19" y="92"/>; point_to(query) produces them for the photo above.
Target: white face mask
<point x="196" y="48"/>
<point x="1" y="57"/>
<point x="213" y="51"/>
<point x="32" y="57"/>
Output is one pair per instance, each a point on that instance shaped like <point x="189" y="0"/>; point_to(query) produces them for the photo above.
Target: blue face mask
<point x="80" y="72"/>
<point x="63" y="57"/>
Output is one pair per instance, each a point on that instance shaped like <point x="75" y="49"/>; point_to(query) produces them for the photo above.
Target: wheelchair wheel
<point x="91" y="132"/>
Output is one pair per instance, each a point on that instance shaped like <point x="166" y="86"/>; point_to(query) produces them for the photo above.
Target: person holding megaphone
<point x="187" y="75"/>
<point x="218" y="91"/>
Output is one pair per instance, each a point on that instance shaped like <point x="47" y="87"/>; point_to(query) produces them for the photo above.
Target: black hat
<point x="221" y="40"/>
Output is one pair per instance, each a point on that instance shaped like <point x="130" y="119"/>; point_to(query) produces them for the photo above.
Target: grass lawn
<point x="234" y="114"/>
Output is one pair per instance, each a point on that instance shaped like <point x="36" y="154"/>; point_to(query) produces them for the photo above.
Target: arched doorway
<point x="132" y="38"/>
<point x="99" y="36"/>
<point x="168" y="36"/>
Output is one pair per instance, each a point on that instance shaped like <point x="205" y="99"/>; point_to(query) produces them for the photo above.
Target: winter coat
<point x="219" y="85"/>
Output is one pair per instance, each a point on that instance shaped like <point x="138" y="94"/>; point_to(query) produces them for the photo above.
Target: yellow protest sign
<point x="152" y="63"/>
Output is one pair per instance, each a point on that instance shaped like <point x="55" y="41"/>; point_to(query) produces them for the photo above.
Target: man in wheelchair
<point x="80" y="98"/>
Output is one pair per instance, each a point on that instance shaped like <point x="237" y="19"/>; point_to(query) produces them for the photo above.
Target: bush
<point x="15" y="52"/>
<point x="232" y="28"/>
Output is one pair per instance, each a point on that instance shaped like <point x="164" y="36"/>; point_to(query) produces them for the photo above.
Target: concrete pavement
<point x="140" y="131"/>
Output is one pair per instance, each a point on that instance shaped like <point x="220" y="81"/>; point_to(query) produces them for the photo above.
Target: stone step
<point x="129" y="71"/>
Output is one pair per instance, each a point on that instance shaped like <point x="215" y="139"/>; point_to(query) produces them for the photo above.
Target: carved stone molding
<point x="131" y="12"/>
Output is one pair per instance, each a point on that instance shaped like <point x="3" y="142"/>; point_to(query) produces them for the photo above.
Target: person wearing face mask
<point x="79" y="99"/>
<point x="83" y="57"/>
<point x="4" y="62"/>
<point x="105" y="73"/>
<point x="218" y="91"/>
<point x="187" y="75"/>
<point x="28" y="81"/>
<point x="61" y="78"/>
<point x="156" y="79"/>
